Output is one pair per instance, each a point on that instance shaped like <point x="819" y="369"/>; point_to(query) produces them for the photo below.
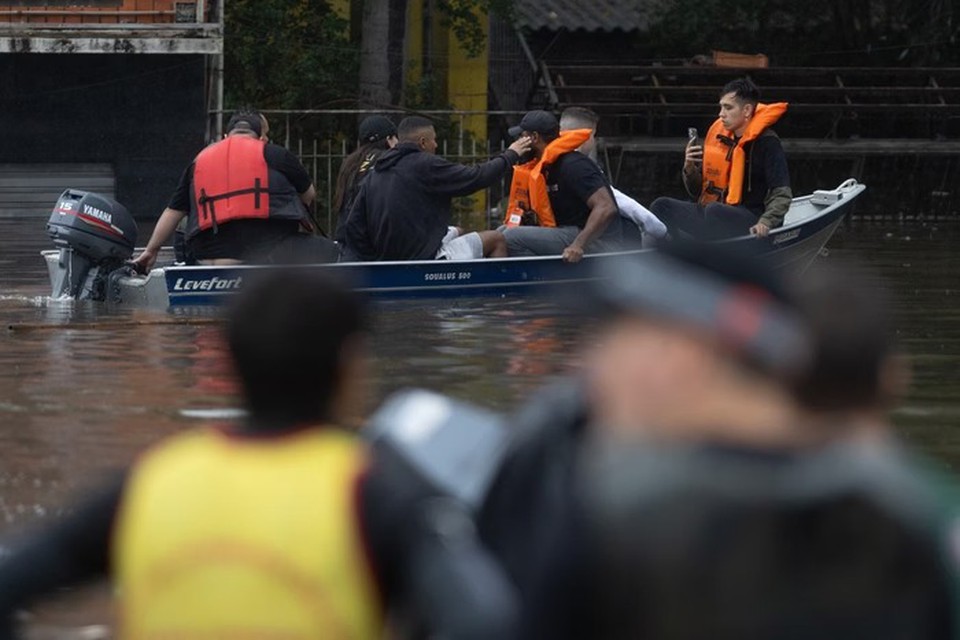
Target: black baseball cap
<point x="538" y="121"/>
<point x="376" y="128"/>
<point x="246" y="120"/>
<point x="729" y="295"/>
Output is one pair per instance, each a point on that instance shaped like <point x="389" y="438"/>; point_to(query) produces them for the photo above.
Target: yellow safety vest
<point x="225" y="537"/>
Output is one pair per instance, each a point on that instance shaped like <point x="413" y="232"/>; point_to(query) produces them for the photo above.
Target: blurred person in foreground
<point x="285" y="525"/>
<point x="692" y="341"/>
<point x="839" y="533"/>
<point x="377" y="135"/>
<point x="690" y="493"/>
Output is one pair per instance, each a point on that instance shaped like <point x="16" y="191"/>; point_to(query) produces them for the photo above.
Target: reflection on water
<point x="80" y="395"/>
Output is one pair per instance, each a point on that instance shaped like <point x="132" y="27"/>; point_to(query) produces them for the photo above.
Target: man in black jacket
<point x="403" y="209"/>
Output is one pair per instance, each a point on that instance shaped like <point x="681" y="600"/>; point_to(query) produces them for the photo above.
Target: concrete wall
<point x="144" y="114"/>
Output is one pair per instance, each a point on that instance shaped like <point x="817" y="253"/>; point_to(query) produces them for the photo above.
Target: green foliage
<point x="290" y="54"/>
<point x="464" y="18"/>
<point x="814" y="33"/>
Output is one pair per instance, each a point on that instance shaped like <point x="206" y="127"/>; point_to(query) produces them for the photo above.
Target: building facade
<point x="112" y="96"/>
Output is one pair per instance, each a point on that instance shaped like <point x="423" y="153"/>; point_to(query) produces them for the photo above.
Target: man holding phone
<point x="738" y="173"/>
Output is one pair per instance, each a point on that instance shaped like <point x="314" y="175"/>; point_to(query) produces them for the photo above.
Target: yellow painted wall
<point x="467" y="81"/>
<point x="342" y="7"/>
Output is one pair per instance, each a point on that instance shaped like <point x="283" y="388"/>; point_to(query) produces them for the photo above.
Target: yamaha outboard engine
<point x="95" y="235"/>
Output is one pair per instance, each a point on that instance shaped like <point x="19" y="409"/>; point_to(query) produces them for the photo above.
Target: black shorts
<point x="241" y="239"/>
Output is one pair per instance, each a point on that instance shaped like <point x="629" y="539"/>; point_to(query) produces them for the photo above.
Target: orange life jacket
<point x="724" y="159"/>
<point x="231" y="181"/>
<point x="528" y="191"/>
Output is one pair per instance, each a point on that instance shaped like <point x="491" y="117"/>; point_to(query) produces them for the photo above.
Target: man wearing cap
<point x="243" y="199"/>
<point x="567" y="193"/>
<point x="402" y="211"/>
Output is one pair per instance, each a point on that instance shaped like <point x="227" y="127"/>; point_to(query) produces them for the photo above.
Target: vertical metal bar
<point x="286" y="133"/>
<point x="330" y="187"/>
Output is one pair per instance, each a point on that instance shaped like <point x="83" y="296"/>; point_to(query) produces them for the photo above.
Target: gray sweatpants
<point x="547" y="241"/>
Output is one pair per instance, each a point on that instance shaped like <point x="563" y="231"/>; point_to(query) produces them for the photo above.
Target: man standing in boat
<point x="565" y="192"/>
<point x="402" y="211"/>
<point x="738" y="175"/>
<point x="244" y="199"/>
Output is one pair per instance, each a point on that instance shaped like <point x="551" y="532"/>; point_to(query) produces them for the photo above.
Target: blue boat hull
<point x="792" y="247"/>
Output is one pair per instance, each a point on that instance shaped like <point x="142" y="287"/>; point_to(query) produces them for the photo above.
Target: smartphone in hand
<point x="693" y="140"/>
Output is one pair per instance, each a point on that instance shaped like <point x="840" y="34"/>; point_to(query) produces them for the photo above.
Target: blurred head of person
<point x="296" y="340"/>
<point x="419" y="131"/>
<point x="688" y="539"/>
<point x="582" y="118"/>
<point x="698" y="342"/>
<point x="857" y="372"/>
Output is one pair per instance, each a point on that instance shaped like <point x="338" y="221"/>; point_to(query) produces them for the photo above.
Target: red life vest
<point x="724" y="160"/>
<point x="528" y="190"/>
<point x="231" y="181"/>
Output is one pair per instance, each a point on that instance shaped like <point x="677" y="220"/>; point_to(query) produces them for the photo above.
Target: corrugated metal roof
<point x="588" y="15"/>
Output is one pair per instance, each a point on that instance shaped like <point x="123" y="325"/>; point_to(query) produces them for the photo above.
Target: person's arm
<point x="639" y="214"/>
<point x="427" y="557"/>
<point x="693" y="169"/>
<point x="284" y="161"/>
<point x="603" y="209"/>
<point x="455" y="180"/>
<point x="166" y="225"/>
<point x="775" y="208"/>
<point x="72" y="551"/>
<point x="777" y="176"/>
<point x="308" y="196"/>
<point x="177" y="208"/>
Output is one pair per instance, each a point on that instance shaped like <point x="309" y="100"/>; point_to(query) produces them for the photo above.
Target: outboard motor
<point x="95" y="235"/>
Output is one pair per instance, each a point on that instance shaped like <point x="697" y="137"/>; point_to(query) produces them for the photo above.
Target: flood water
<point x="83" y="389"/>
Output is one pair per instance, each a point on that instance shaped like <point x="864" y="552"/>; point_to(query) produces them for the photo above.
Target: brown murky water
<point x="83" y="390"/>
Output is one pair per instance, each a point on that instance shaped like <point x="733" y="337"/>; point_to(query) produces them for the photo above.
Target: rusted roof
<point x="586" y="15"/>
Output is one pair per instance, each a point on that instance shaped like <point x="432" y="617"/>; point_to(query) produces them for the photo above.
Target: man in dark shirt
<point x="296" y="340"/>
<point x="742" y="134"/>
<point x="403" y="209"/>
<point x="580" y="195"/>
<point x="238" y="240"/>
